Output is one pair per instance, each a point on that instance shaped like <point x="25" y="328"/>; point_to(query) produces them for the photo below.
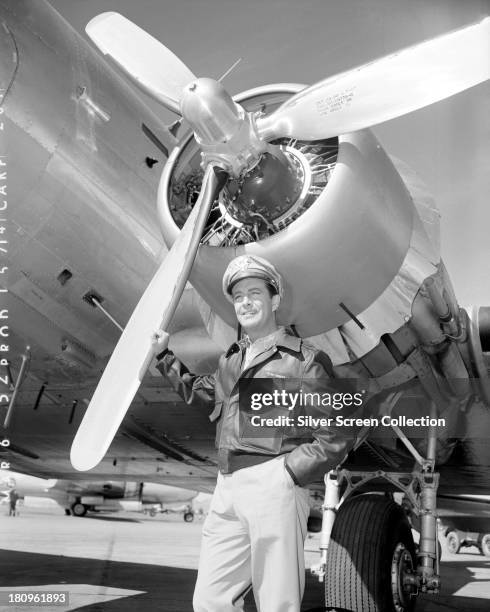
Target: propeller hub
<point x="211" y="111"/>
<point x="226" y="134"/>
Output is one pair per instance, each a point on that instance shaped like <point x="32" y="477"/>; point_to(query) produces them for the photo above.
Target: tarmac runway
<point x="127" y="562"/>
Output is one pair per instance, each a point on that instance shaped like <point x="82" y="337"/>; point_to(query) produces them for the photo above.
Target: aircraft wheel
<point x="453" y="542"/>
<point x="188" y="517"/>
<point x="78" y="509"/>
<point x="485" y="545"/>
<point x="371" y="558"/>
<point x="152" y="512"/>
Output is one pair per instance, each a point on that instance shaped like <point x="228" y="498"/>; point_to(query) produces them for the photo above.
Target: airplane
<point x="79" y="497"/>
<point x="85" y="156"/>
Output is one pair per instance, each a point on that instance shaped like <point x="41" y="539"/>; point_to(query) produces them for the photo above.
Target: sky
<point x="447" y="144"/>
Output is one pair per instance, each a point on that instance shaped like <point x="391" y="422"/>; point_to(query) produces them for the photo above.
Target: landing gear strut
<point x="368" y="561"/>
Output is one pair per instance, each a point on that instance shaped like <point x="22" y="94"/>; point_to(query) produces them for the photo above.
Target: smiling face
<point x="255" y="307"/>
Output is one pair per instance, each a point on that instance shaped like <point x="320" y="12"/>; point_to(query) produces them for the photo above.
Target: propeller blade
<point x="149" y="64"/>
<point x="133" y="353"/>
<point x="386" y="88"/>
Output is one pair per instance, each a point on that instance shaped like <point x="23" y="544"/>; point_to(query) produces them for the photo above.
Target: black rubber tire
<point x="188" y="517"/>
<point x="453" y="542"/>
<point x="78" y="509"/>
<point x="366" y="533"/>
<point x="485" y="545"/>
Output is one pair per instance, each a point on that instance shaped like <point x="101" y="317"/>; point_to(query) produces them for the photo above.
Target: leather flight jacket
<point x="309" y="453"/>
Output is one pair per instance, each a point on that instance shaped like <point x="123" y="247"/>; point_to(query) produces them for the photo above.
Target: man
<point x="13" y="499"/>
<point x="254" y="533"/>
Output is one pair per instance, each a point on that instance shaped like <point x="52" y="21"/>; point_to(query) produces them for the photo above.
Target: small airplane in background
<point x="289" y="172"/>
<point x="79" y="497"/>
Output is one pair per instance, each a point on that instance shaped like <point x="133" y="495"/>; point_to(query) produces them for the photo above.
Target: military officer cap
<point x="251" y="266"/>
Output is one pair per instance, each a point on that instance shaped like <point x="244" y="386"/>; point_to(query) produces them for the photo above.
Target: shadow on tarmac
<point x="111" y="519"/>
<point x="170" y="589"/>
<point x="167" y="589"/>
<point x="462" y="574"/>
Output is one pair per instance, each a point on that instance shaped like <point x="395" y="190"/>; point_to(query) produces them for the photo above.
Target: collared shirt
<point x="261" y="345"/>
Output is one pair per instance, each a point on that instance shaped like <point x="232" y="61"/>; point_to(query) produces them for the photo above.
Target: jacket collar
<point x="282" y="337"/>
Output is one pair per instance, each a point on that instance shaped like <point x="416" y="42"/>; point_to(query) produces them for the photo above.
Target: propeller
<point x="385" y="88"/>
<point x="133" y="353"/>
<point x="233" y="141"/>
<point x="149" y="64"/>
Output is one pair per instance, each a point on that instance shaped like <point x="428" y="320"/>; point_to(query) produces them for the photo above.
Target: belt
<point x="231" y="461"/>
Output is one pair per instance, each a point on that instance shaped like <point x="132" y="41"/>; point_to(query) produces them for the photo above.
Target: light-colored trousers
<point x="254" y="537"/>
